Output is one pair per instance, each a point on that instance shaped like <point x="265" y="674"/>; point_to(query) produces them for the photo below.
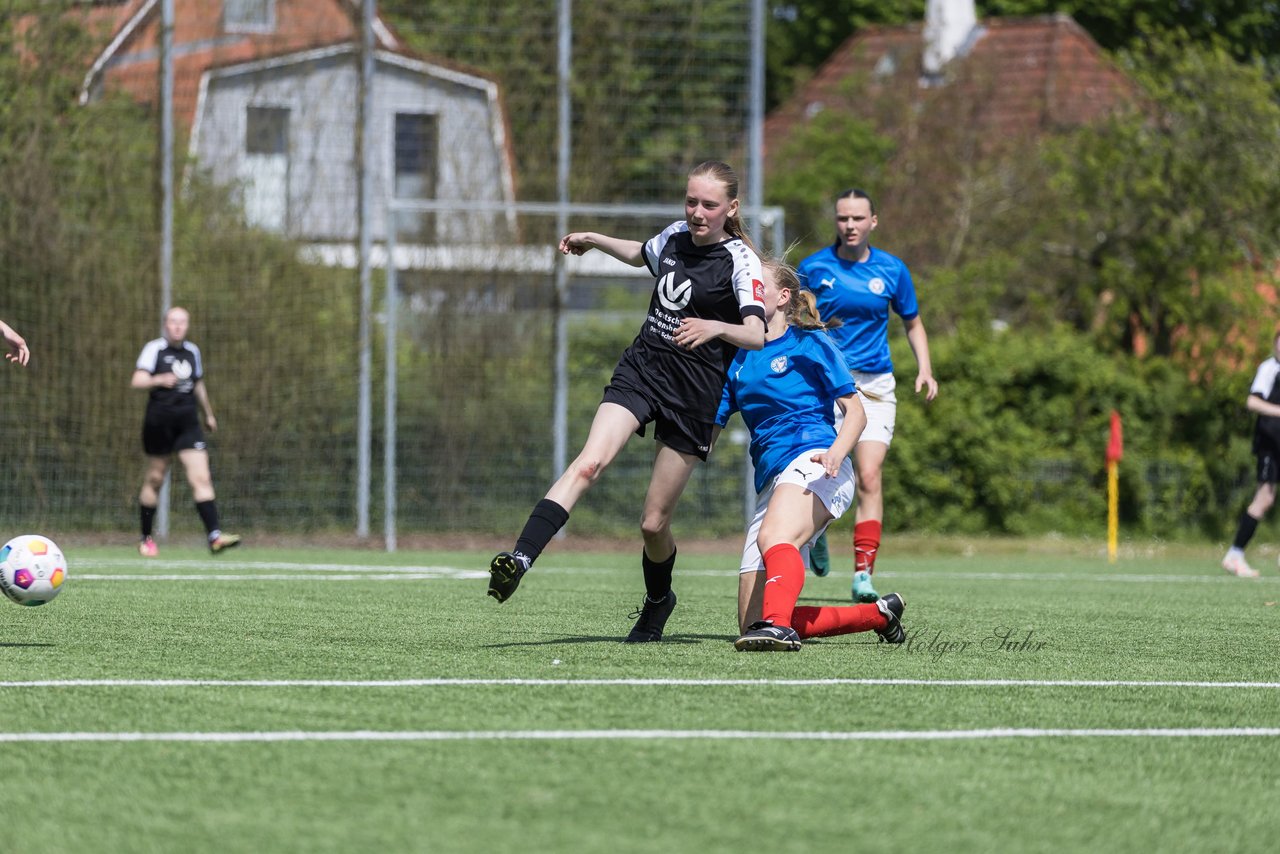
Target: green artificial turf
<point x="1034" y="612"/>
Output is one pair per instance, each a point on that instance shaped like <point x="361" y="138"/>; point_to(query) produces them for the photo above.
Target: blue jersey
<point x="786" y="394"/>
<point x="860" y="294"/>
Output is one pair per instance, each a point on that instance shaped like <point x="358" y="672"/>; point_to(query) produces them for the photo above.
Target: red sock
<point x="784" y="577"/>
<point x="810" y="622"/>
<point x="866" y="542"/>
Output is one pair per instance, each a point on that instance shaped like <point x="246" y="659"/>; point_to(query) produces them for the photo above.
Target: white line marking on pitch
<point x="637" y="683"/>
<point x="194" y="576"/>
<point x="636" y="734"/>
<point x="418" y="573"/>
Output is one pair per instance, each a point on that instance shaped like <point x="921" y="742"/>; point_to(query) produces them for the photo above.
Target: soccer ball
<point x="32" y="569"/>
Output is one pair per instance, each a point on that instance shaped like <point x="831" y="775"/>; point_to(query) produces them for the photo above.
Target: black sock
<point x="148" y="515"/>
<point x="1244" y="533"/>
<point x="657" y="575"/>
<point x="208" y="511"/>
<point x="545" y="522"/>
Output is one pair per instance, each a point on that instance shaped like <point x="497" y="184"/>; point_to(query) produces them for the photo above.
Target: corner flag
<point x="1115" y="450"/>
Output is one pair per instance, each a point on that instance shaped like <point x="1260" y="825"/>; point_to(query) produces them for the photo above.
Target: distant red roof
<point x="1020" y="76"/>
<point x="129" y="59"/>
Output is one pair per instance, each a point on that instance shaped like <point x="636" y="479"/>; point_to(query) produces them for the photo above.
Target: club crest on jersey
<point x="757" y="290"/>
<point x="674" y="296"/>
<point x="779" y="364"/>
<point x="876" y="286"/>
<point x="182" y="369"/>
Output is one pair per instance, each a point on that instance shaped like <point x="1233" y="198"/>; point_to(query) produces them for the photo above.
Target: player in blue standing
<point x="169" y="369"/>
<point x="859" y="285"/>
<point x="788" y="393"/>
<point x="708" y="301"/>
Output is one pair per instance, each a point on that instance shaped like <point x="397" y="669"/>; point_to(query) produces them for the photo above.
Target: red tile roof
<point x="129" y="59"/>
<point x="1022" y="76"/>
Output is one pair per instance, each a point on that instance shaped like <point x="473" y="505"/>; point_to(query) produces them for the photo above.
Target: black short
<point x="677" y="431"/>
<point x="163" y="435"/>
<point x="1268" y="465"/>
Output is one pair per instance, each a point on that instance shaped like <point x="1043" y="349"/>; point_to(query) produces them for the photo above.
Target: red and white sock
<point x="866" y="542"/>
<point x="784" y="578"/>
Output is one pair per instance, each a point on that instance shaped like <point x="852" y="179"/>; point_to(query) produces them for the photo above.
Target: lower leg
<point x="870" y="458"/>
<point x="208" y="511"/>
<point x="784" y="571"/>
<point x="811" y="622"/>
<point x="147" y="517"/>
<point x="671" y="472"/>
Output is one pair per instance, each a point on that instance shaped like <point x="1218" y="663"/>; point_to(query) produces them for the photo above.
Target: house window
<point x="256" y="16"/>
<point x="417" y="142"/>
<point x="264" y="169"/>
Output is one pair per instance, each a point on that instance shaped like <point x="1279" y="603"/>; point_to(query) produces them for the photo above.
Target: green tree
<point x="1157" y="208"/>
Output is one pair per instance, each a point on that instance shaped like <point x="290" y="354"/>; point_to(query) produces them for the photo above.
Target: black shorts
<point x="1268" y="465"/>
<point x="677" y="431"/>
<point x="163" y="435"/>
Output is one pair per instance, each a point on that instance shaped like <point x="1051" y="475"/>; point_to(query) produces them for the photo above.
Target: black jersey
<point x="722" y="282"/>
<point x="1266" y="429"/>
<point x="183" y="361"/>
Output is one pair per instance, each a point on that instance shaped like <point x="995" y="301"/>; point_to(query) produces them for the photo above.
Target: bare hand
<point x="829" y="462"/>
<point x="165" y="380"/>
<point x="18" y="351"/>
<point x="695" y="331"/>
<point x="576" y="243"/>
<point x="211" y="423"/>
<point x="923" y="380"/>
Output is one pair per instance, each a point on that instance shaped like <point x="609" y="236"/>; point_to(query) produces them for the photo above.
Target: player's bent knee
<point x="655" y="524"/>
<point x="587" y="470"/>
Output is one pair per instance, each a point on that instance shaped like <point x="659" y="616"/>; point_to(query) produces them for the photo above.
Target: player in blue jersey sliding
<point x="708" y="301"/>
<point x="859" y="285"/>
<point x="787" y="393"/>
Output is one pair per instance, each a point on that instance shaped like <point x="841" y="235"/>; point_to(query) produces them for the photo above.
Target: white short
<point x="835" y="493"/>
<point x="880" y="403"/>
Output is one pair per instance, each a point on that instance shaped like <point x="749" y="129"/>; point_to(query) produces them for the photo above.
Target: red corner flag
<point x="1115" y="447"/>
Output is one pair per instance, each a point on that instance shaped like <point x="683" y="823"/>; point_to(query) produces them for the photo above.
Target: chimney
<point x="947" y="27"/>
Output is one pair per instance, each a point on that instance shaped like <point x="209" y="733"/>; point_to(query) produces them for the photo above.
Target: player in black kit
<point x="708" y="301"/>
<point x="171" y="370"/>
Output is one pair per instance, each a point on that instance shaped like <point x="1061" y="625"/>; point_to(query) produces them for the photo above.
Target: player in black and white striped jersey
<point x="708" y="301"/>
<point x="171" y="371"/>
<point x="1264" y="401"/>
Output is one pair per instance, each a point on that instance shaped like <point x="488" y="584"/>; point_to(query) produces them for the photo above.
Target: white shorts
<point x="880" y="403"/>
<point x="835" y="493"/>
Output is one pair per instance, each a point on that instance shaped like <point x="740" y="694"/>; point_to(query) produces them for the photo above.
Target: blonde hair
<point x="723" y="172"/>
<point x="802" y="309"/>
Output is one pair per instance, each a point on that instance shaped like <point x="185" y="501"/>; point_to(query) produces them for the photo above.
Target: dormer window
<point x="249" y="16"/>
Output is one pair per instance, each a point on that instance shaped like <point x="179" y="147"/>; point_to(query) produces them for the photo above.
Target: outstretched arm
<point x="627" y="251"/>
<point x="919" y="341"/>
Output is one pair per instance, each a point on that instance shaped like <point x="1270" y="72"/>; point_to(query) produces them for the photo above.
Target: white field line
<point x="396" y="576"/>
<point x="271" y="571"/>
<point x="626" y="683"/>
<point x="635" y="735"/>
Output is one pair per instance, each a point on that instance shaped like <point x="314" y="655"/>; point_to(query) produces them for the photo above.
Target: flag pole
<point x="1115" y="450"/>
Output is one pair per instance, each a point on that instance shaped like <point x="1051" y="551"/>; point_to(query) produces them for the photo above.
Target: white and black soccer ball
<point x="32" y="569"/>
